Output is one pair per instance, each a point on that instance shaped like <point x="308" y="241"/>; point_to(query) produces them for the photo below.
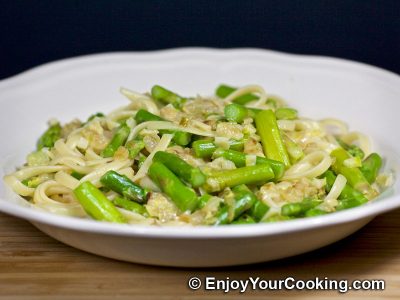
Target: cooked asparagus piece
<point x="295" y="152"/>
<point x="224" y="91"/>
<point x="206" y="148"/>
<point x="349" y="203"/>
<point x="203" y="200"/>
<point x="50" y="136"/>
<point x="167" y="97"/>
<point x="257" y="174"/>
<point x="77" y="175"/>
<point x="349" y="197"/>
<point x="353" y="175"/>
<point x="258" y="211"/>
<point x="182" y="138"/>
<point x="96" y="204"/>
<point x="244" y="199"/>
<point x="313" y="212"/>
<point x="98" y="115"/>
<point x="134" y="147"/>
<point x="277" y="218"/>
<point x="298" y="209"/>
<point x="181" y="168"/>
<point x="117" y="141"/>
<point x="353" y="150"/>
<point x="244" y="219"/>
<point x="286" y="113"/>
<point x="32" y="182"/>
<point x="271" y="138"/>
<point x="184" y="197"/>
<point x="237" y="113"/>
<point x="143" y="115"/>
<point x="239" y="159"/>
<point x="203" y="148"/>
<point x="130" y="205"/>
<point x="292" y="209"/>
<point x="141" y="160"/>
<point x="124" y="186"/>
<point x="370" y="167"/>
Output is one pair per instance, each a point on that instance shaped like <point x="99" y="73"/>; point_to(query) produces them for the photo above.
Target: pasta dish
<point x="241" y="156"/>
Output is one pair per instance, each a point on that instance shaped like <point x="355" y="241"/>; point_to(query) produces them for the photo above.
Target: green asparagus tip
<point x="96" y="204"/>
<point x="49" y="137"/>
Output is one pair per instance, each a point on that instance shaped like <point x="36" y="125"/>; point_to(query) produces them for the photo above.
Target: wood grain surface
<point x="35" y="266"/>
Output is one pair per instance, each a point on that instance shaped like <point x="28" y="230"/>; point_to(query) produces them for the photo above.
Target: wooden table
<point x="34" y="266"/>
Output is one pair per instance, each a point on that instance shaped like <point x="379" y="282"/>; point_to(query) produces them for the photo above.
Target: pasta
<point x="239" y="157"/>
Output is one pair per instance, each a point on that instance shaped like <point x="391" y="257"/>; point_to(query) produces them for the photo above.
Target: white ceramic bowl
<point x="366" y="97"/>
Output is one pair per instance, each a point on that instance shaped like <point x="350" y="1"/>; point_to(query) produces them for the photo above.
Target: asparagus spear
<point x="271" y="138"/>
<point x="124" y="186"/>
<point x="313" y="212"/>
<point x="96" y="204"/>
<point x="181" y="138"/>
<point x="247" y="175"/>
<point x="49" y="137"/>
<point x="286" y="113"/>
<point x="349" y="203"/>
<point x="291" y="209"/>
<point x="130" y="205"/>
<point x="258" y="211"/>
<point x="141" y="160"/>
<point x="77" y="175"/>
<point x="294" y="151"/>
<point x="353" y="175"/>
<point x="134" y="147"/>
<point x="205" y="148"/>
<point x="118" y="140"/>
<point x="203" y="200"/>
<point x="244" y="200"/>
<point x="184" y="197"/>
<point x="32" y="182"/>
<point x="237" y="113"/>
<point x="352" y="149"/>
<point x="144" y="116"/>
<point x="99" y="114"/>
<point x="244" y="219"/>
<point x="181" y="168"/>
<point x="371" y="166"/>
<point x="224" y="91"/>
<point x="276" y="218"/>
<point x="349" y="197"/>
<point x="163" y="95"/>
<point x="298" y="209"/>
<point x="239" y="159"/>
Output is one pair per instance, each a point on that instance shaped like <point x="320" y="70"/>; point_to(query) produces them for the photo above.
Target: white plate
<point x="366" y="97"/>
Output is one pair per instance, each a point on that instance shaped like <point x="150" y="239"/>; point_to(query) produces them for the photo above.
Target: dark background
<point x="35" y="32"/>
